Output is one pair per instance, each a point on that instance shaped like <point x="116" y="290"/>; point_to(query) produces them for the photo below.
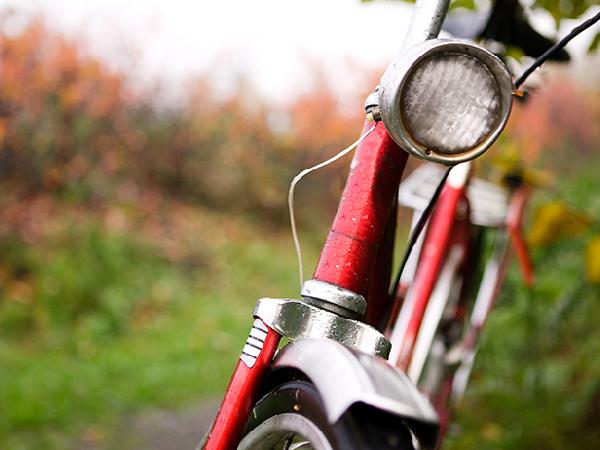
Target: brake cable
<point x="417" y="229"/>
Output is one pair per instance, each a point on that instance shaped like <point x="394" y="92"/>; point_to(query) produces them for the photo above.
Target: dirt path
<point x="158" y="430"/>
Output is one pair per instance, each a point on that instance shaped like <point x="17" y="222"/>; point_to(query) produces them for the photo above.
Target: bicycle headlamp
<point x="445" y="101"/>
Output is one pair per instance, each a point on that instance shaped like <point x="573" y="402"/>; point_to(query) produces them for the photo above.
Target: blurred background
<point x="145" y="153"/>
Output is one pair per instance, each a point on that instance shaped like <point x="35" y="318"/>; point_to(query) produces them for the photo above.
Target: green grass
<point x="535" y="382"/>
<point x="94" y="361"/>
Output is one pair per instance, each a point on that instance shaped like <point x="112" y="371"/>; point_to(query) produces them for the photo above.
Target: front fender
<point x="344" y="377"/>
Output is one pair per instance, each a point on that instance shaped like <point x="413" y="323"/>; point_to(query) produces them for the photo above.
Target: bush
<point x="85" y="284"/>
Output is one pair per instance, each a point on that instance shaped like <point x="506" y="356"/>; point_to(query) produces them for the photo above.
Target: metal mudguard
<point x="344" y="377"/>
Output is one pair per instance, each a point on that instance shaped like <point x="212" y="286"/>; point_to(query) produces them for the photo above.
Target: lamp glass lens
<point x="450" y="103"/>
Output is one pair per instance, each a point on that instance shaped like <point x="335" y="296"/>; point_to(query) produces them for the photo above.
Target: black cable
<point x="416" y="231"/>
<point x="556" y="47"/>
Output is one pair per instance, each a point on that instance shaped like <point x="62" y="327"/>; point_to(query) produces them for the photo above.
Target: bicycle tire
<point x="295" y="410"/>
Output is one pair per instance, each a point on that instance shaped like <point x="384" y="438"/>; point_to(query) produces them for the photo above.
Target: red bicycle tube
<point x="351" y="246"/>
<point x="514" y="222"/>
<point x="432" y="257"/>
<point x="379" y="281"/>
<point x="240" y="397"/>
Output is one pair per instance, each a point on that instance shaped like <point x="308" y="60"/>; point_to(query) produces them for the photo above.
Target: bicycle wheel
<point x="292" y="417"/>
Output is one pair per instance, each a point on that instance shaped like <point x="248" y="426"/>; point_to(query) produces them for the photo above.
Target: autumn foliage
<point x="62" y="114"/>
<point x="562" y="116"/>
<point x="70" y="129"/>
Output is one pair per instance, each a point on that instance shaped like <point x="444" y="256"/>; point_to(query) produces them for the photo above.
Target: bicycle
<point x="444" y="101"/>
<point x="459" y="297"/>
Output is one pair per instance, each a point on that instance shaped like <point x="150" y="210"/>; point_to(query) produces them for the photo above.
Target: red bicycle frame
<point x="352" y="247"/>
<point x="241" y="392"/>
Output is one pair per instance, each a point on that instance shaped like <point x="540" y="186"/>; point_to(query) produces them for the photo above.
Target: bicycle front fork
<point x="239" y="399"/>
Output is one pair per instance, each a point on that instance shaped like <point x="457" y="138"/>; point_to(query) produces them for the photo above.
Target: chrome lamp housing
<point x="445" y="100"/>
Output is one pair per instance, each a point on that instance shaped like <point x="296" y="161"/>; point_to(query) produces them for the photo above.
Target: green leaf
<point x="571" y="9"/>
<point x="514" y="52"/>
<point x="467" y="4"/>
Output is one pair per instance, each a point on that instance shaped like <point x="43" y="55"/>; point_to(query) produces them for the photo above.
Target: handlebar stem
<point x="426" y="22"/>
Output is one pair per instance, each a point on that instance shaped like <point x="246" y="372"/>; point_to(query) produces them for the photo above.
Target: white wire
<point x="295" y="181"/>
